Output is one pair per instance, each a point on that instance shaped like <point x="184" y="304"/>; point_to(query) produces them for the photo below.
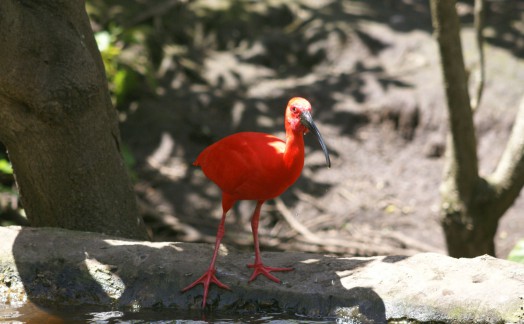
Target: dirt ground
<point x="377" y="98"/>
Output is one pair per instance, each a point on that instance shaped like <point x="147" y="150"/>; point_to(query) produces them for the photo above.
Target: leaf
<point x="5" y="167"/>
<point x="517" y="253"/>
<point x="125" y="81"/>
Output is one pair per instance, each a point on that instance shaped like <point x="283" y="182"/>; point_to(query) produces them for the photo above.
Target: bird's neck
<point x="294" y="152"/>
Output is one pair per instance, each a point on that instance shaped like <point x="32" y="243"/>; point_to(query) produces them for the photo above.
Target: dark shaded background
<point x="186" y="73"/>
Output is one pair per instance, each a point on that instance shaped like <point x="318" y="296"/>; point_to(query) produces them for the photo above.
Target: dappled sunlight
<point x="369" y="69"/>
<point x="223" y="250"/>
<point x="165" y="159"/>
<point x="155" y="245"/>
<point x="351" y="238"/>
<point x="105" y="276"/>
<point x="310" y="261"/>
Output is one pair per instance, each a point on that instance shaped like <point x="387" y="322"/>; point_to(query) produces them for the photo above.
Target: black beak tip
<point x="307" y="121"/>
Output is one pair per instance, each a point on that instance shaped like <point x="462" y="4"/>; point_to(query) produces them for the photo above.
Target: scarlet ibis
<point x="256" y="166"/>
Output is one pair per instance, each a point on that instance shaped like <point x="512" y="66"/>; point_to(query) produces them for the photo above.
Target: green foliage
<point x="6" y="172"/>
<point x="517" y="253"/>
<point x="123" y="70"/>
<point x="8" y="194"/>
<point x="5" y="167"/>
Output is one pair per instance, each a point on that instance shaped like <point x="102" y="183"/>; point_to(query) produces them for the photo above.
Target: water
<point x="30" y="313"/>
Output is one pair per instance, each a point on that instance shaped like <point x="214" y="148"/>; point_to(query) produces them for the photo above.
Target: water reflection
<point x="30" y="313"/>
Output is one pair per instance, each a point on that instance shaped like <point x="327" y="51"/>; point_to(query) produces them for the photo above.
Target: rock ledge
<point x="55" y="266"/>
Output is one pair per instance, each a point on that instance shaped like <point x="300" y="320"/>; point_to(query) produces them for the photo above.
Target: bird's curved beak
<point x="307" y="120"/>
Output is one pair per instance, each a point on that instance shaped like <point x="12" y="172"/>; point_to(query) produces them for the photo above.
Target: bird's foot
<point x="206" y="280"/>
<point x="261" y="269"/>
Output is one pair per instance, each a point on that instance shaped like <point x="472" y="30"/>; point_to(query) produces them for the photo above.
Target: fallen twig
<point x="337" y="245"/>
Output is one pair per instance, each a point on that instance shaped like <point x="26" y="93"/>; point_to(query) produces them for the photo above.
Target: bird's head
<point x="296" y="107"/>
<point x="299" y="120"/>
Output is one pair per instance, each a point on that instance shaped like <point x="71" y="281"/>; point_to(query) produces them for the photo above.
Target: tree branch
<point x="461" y="171"/>
<point x="508" y="178"/>
<point x="479" y="26"/>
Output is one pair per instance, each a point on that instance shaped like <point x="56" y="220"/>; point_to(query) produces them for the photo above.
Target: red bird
<point x="256" y="166"/>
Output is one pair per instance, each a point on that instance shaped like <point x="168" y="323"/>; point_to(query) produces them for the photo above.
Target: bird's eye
<point x="293" y="109"/>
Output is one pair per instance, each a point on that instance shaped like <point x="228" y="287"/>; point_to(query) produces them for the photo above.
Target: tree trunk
<point x="57" y="122"/>
<point x="471" y="232"/>
<point x="471" y="205"/>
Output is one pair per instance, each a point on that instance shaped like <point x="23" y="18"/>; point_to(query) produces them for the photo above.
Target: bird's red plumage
<point x="251" y="166"/>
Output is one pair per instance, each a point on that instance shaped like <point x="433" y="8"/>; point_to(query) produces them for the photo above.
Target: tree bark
<point x="57" y="122"/>
<point x="471" y="205"/>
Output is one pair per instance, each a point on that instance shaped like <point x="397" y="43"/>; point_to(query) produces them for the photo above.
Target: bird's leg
<point x="258" y="266"/>
<point x="209" y="276"/>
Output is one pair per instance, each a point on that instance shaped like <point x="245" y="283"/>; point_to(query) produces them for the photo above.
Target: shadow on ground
<point x="60" y="269"/>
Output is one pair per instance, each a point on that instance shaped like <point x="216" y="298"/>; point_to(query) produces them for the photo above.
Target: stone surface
<point x="53" y="266"/>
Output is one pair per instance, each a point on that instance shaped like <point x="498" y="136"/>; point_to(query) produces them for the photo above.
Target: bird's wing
<point x="240" y="164"/>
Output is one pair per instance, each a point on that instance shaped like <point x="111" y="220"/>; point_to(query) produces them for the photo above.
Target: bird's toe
<point x="261" y="269"/>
